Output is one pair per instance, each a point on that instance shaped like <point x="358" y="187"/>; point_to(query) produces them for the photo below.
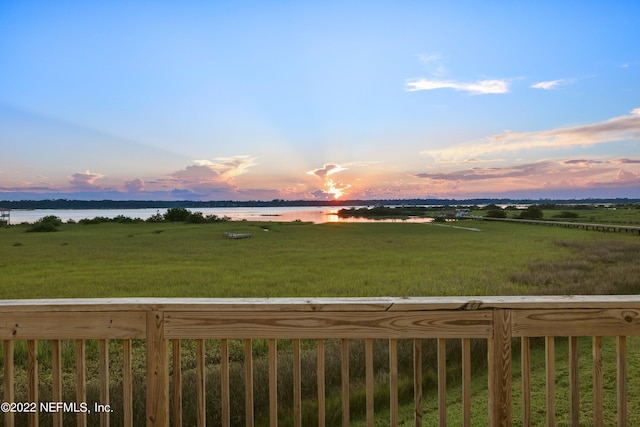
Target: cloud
<point x="134" y="185"/>
<point x="569" y="177"/>
<point x="622" y="128"/>
<point x="85" y="180"/>
<point x="625" y="161"/>
<point x="332" y="188"/>
<point x="475" y="174"/>
<point x="481" y="87"/>
<point x="228" y="167"/>
<point x="552" y="84"/>
<point x="219" y="173"/>
<point x="326" y="170"/>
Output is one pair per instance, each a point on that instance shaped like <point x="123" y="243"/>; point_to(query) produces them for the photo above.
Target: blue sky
<point x="316" y="100"/>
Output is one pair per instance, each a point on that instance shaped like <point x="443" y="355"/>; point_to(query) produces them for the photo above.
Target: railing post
<point x="157" y="371"/>
<point x="499" y="354"/>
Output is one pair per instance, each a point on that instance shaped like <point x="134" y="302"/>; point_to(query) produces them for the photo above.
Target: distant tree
<point x="196" y="218"/>
<point x="532" y="212"/>
<point x="177" y="214"/>
<point x="496" y="213"/>
<point x="45" y="224"/>
<point x="156" y="217"/>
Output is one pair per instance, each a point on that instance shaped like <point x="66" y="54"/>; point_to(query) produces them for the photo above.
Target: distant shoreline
<point x="163" y="204"/>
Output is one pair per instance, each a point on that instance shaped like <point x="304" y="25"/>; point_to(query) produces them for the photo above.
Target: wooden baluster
<point x="393" y="382"/>
<point x="224" y="382"/>
<point x="177" y="383"/>
<point x="8" y="381"/>
<point x="127" y="384"/>
<point x="344" y="371"/>
<point x="442" y="382"/>
<point x="248" y="382"/>
<point x="368" y="356"/>
<point x="550" y="375"/>
<point x="157" y="409"/>
<point x="273" y="382"/>
<point x="417" y="381"/>
<point x="499" y="355"/>
<point x="466" y="382"/>
<point x="201" y="382"/>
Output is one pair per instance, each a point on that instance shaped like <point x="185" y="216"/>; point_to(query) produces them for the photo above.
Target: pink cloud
<point x="85" y="180"/>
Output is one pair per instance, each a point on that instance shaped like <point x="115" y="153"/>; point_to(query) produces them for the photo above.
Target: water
<point x="315" y="214"/>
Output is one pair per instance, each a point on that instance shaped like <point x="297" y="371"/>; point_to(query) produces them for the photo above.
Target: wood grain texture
<point x="201" y="384"/>
<point x="575" y="322"/>
<point x="438" y="324"/>
<point x="72" y="325"/>
<point x="157" y="371"/>
<point x="127" y="385"/>
<point x="248" y="383"/>
<point x="417" y="382"/>
<point x="347" y="304"/>
<point x="273" y="383"/>
<point x="550" y="379"/>
<point x="393" y="383"/>
<point x="344" y="381"/>
<point x="499" y="363"/>
<point x="177" y="383"/>
<point x="466" y="382"/>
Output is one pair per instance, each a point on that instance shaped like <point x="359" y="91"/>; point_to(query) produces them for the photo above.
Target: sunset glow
<point x="319" y="101"/>
<point x="336" y="190"/>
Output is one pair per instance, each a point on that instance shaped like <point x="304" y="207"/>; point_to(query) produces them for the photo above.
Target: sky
<point x="262" y="100"/>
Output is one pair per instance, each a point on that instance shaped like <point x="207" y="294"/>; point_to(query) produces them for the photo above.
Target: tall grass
<point x="595" y="267"/>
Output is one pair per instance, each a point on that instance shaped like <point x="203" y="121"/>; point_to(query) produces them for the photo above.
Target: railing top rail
<point x="322" y="304"/>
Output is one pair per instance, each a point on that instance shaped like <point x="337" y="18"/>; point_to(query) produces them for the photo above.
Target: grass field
<point x="280" y="260"/>
<point x="330" y="260"/>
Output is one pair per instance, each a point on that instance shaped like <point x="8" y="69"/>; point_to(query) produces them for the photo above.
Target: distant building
<point x="5" y="216"/>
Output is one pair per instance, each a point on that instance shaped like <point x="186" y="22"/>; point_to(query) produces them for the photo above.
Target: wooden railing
<point x="161" y="326"/>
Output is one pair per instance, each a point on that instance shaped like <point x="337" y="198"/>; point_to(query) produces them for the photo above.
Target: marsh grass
<point x="595" y="267"/>
<point x="289" y="260"/>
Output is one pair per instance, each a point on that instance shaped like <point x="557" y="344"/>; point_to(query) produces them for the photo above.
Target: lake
<point x="315" y="214"/>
